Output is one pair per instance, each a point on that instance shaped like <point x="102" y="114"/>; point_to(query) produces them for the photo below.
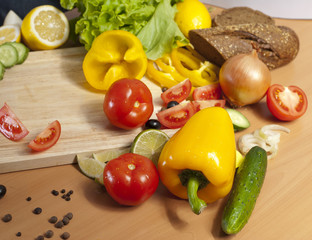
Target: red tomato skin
<point x="10" y="125"/>
<point x="280" y="107"/>
<point x="47" y="138"/>
<point x="128" y="104"/>
<point x="177" y="93"/>
<point x="212" y="91"/>
<point x="177" y="116"/>
<point x="130" y="179"/>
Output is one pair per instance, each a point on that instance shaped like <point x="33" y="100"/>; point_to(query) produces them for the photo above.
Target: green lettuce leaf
<point x="160" y="35"/>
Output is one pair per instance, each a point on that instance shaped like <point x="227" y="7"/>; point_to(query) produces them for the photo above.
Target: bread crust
<point x="241" y="15"/>
<point x="276" y="45"/>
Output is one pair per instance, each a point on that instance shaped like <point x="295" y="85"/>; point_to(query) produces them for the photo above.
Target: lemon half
<point x="45" y="27"/>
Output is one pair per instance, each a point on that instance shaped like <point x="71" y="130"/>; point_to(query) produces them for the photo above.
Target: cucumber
<point x="246" y="188"/>
<point x="8" y="55"/>
<point x="2" y="70"/>
<point x="22" y="51"/>
<point x="240" y="122"/>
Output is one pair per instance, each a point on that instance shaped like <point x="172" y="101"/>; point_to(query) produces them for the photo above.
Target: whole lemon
<point x="192" y="14"/>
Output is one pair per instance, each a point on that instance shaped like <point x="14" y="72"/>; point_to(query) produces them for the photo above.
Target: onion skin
<point x="244" y="79"/>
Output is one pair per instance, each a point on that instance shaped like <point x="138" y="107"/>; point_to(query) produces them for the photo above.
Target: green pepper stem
<point x="196" y="203"/>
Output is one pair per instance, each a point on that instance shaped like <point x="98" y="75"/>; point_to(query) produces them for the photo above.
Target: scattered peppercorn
<point x="18" y="234"/>
<point x="69" y="215"/>
<point x="64" y="196"/>
<point x="70" y="192"/>
<point x="7" y="218"/>
<point x="53" y="219"/>
<point x="65" y="220"/>
<point x="37" y="210"/>
<point x="28" y="199"/>
<point x="65" y="235"/>
<point x="40" y="237"/>
<point x="55" y="193"/>
<point x="63" y="191"/>
<point x="2" y="191"/>
<point x="49" y="234"/>
<point x="59" y="224"/>
<point x="67" y="198"/>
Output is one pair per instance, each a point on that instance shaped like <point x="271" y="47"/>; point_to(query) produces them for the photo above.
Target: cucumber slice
<point x="22" y="51"/>
<point x="240" y="122"/>
<point x="2" y="70"/>
<point x="8" y="55"/>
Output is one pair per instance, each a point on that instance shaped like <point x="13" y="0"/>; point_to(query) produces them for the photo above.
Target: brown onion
<point x="244" y="79"/>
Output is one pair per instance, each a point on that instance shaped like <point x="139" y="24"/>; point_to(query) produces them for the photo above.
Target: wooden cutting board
<point x="48" y="86"/>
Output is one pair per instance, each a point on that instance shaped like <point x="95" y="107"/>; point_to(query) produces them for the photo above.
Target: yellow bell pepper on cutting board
<point x="198" y="162"/>
<point x="114" y="55"/>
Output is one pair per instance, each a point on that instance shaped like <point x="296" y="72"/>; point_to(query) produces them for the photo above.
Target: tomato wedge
<point x="178" y="92"/>
<point x="10" y="126"/>
<point x="47" y="138"/>
<point x="211" y="91"/>
<point x="201" y="104"/>
<point x="177" y="116"/>
<point x="286" y="103"/>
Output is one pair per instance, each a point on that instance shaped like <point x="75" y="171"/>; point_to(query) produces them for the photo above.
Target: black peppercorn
<point x="69" y="215"/>
<point x="18" y="234"/>
<point x="7" y="218"/>
<point x="2" y="191"/>
<point x="65" y="235"/>
<point x="55" y="193"/>
<point x="53" y="219"/>
<point x="28" y="199"/>
<point x="59" y="224"/>
<point x="37" y="210"/>
<point x="49" y="234"/>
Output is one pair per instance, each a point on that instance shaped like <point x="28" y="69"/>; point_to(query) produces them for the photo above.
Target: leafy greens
<point x="152" y="21"/>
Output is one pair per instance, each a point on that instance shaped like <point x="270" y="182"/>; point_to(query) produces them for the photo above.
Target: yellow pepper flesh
<point x="206" y="143"/>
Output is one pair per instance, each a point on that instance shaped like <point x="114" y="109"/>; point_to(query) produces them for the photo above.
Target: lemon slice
<point x="10" y="33"/>
<point x="45" y="27"/>
<point x="149" y="143"/>
<point x="90" y="166"/>
<point x="12" y="19"/>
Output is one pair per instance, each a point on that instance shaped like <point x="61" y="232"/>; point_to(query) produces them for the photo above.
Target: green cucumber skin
<point x="246" y="188"/>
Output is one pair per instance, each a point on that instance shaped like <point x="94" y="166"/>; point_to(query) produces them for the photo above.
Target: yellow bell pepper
<point x="199" y="72"/>
<point x="198" y="162"/>
<point x="114" y="55"/>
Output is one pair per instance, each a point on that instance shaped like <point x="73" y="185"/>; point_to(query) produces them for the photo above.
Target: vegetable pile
<point x="148" y="20"/>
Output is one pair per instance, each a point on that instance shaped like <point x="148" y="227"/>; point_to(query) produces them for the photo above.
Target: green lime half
<point x="90" y="166"/>
<point x="149" y="143"/>
<point x="107" y="155"/>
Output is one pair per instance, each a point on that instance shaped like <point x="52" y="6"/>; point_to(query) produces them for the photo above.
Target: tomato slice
<point x="211" y="91"/>
<point x="47" y="138"/>
<point x="201" y="104"/>
<point x="178" y="92"/>
<point x="177" y="116"/>
<point x="286" y="103"/>
<point x="10" y="126"/>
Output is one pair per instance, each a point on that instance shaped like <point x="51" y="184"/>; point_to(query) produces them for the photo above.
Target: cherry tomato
<point x="10" y="126"/>
<point x="286" y="103"/>
<point x="212" y="91"/>
<point x="201" y="104"/>
<point x="47" y="138"/>
<point x="128" y="103"/>
<point x="178" y="92"/>
<point x="130" y="179"/>
<point x="177" y="116"/>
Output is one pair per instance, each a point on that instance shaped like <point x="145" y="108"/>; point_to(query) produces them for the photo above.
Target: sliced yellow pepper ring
<point x="200" y="73"/>
<point x="114" y="55"/>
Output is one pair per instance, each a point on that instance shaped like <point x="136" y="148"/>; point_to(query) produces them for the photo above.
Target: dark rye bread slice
<point x="276" y="45"/>
<point x="241" y="15"/>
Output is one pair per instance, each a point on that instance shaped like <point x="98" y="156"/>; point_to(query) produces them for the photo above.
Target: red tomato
<point x="47" y="138"/>
<point x="212" y="91"/>
<point x="286" y="103"/>
<point x="128" y="103"/>
<point x="130" y="179"/>
<point x="178" y="92"/>
<point x="177" y="116"/>
<point x="201" y="104"/>
<point x="10" y="126"/>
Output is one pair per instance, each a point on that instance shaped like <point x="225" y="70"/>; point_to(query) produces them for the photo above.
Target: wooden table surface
<point x="283" y="210"/>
